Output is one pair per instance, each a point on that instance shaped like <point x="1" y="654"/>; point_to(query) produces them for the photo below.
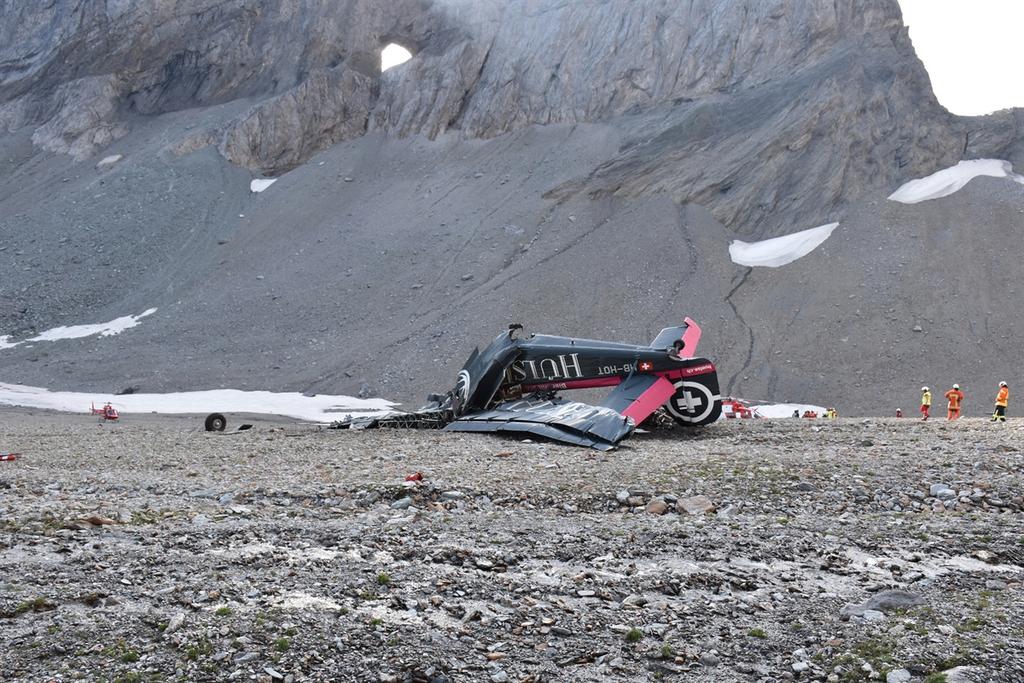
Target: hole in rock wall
<point x="393" y="55"/>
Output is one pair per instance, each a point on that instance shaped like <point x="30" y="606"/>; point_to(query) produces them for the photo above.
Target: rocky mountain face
<point x="519" y="132"/>
<point x="737" y="106"/>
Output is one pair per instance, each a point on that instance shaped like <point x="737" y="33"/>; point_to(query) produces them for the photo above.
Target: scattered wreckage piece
<point x="216" y="422"/>
<point x="511" y="386"/>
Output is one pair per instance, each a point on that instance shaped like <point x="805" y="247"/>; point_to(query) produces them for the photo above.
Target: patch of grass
<point x="667" y="652"/>
<point x="634" y="635"/>
<point x="282" y="644"/>
<point x="936" y="678"/>
<point x="874" y="650"/>
<point x="200" y="648"/>
<point x="141" y="517"/>
<point x="383" y="579"/>
<point x="973" y="624"/>
<point x="757" y="633"/>
<point x="223" y="611"/>
<point x="917" y="627"/>
<point x="130" y="656"/>
<point x="376" y="621"/>
<point x="39" y="604"/>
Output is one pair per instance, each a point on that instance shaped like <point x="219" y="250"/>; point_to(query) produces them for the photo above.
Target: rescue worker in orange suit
<point x="926" y="403"/>
<point x="955" y="398"/>
<point x="1002" y="398"/>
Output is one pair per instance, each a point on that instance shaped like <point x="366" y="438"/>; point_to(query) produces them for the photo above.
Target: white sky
<point x="972" y="50"/>
<point x="393" y="55"/>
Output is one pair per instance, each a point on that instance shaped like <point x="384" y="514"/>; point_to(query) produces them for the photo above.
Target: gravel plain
<point x="844" y="550"/>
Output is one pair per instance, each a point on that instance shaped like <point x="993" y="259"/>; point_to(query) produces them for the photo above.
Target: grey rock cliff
<point x="738" y="106"/>
<point x="586" y="163"/>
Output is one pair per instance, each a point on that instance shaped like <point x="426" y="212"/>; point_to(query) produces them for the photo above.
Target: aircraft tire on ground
<point x="215" y="422"/>
<point x="694" y="403"/>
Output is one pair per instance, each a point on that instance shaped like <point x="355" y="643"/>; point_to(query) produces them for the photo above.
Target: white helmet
<point x="924" y="388"/>
<point x="956" y="386"/>
<point x="1002" y="384"/>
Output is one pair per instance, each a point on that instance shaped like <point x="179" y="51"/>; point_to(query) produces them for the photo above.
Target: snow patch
<point x="115" y="326"/>
<point x="320" y="408"/>
<point x="108" y="329"/>
<point x="109" y="161"/>
<point x="947" y="181"/>
<point x="781" y="410"/>
<point x="779" y="251"/>
<point x="259" y="184"/>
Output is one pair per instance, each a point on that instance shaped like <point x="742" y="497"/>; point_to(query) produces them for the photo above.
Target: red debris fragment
<point x="9" y="456"/>
<point x="417" y="476"/>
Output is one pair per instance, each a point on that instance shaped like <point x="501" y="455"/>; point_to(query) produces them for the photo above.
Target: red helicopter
<point x="107" y="413"/>
<point x="737" y="408"/>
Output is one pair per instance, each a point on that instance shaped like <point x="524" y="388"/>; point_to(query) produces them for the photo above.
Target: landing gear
<point x="215" y="422"/>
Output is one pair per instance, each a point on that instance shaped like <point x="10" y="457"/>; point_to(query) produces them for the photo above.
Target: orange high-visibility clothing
<point x="954" y="396"/>
<point x="1003" y="397"/>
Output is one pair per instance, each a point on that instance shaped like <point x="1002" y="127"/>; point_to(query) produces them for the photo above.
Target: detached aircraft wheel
<point x="215" y="422"/>
<point x="694" y="404"/>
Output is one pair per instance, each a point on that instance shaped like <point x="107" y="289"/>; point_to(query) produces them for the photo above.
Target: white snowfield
<point x="259" y="184"/>
<point x="780" y="410"/>
<point x="319" y="408"/>
<point x="779" y="251"/>
<point x="116" y="326"/>
<point x="947" y="181"/>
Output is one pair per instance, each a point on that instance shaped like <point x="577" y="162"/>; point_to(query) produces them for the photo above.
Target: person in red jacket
<point x="1002" y="398"/>
<point x="955" y="398"/>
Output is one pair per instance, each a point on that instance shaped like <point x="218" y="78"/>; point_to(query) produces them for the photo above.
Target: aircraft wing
<point x="567" y="421"/>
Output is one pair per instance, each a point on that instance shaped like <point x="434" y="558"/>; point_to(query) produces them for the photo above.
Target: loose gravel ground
<point x="751" y="551"/>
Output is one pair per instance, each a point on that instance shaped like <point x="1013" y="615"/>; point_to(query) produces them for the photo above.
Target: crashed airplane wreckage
<point x="512" y="385"/>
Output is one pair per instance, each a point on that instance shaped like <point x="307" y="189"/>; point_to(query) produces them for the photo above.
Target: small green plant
<point x="198" y="649"/>
<point x="142" y="517"/>
<point x="634" y="635"/>
<point x="39" y="604"/>
<point x="936" y="678"/>
<point x="667" y="652"/>
<point x="282" y="644"/>
<point x="383" y="579"/>
<point x="757" y="633"/>
<point x="223" y="611"/>
<point x="130" y="657"/>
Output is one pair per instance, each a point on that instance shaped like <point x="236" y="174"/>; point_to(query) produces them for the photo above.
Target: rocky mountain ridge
<point x="577" y="166"/>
